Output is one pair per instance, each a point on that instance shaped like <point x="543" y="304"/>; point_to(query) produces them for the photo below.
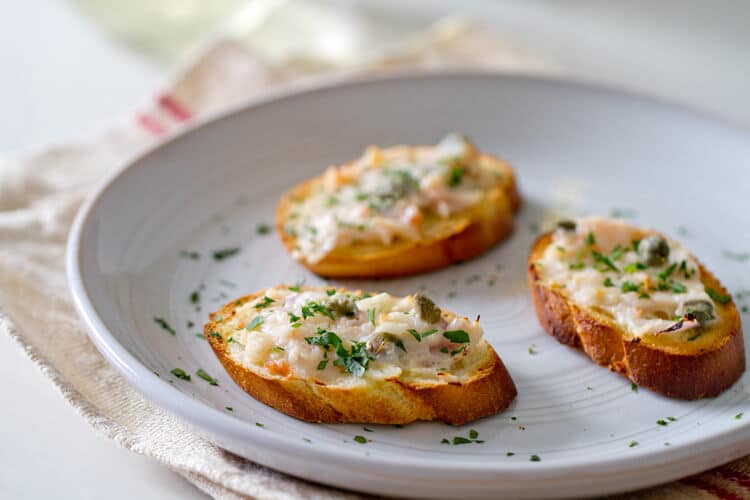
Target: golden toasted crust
<point x="678" y="370"/>
<point x="470" y="236"/>
<point x="486" y="393"/>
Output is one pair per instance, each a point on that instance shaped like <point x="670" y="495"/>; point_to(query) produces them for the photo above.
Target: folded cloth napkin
<point x="40" y="193"/>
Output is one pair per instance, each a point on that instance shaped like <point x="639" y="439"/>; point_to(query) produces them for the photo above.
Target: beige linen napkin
<point x="40" y="193"/>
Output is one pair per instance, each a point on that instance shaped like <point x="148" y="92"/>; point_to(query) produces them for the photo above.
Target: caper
<point x="343" y="306"/>
<point x="383" y="344"/>
<point x="376" y="344"/>
<point x="567" y="225"/>
<point x="427" y="309"/>
<point x="701" y="310"/>
<point x="653" y="250"/>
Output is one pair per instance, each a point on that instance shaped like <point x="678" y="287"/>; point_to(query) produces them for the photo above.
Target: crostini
<point x="329" y="355"/>
<point x="400" y="211"/>
<point x="638" y="303"/>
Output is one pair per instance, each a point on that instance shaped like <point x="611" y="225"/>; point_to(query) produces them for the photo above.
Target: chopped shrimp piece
<point x="278" y="367"/>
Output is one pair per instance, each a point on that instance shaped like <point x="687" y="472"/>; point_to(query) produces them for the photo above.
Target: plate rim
<point x="208" y="419"/>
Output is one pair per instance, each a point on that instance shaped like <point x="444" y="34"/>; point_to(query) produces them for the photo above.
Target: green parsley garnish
<point x="473" y="434"/>
<point x="195" y="297"/>
<point x="457" y="336"/>
<point x="678" y="287"/>
<point x="721" y="299"/>
<point x="312" y="308"/>
<point x="367" y="430"/>
<point x="739" y="257"/>
<point x="616" y="253"/>
<point x="633" y="443"/>
<point x="455" y="175"/>
<point x="331" y="292"/>
<point x="456" y="351"/>
<point x="258" y="424"/>
<point x="634" y="267"/>
<point x="180" y="373"/>
<point x="534" y="458"/>
<point x="265" y="302"/>
<point x="322" y="364"/>
<point x="684" y="270"/>
<point x="419" y="336"/>
<point x="354" y="360"/>
<point x="294" y="320"/>
<point x="225" y="253"/>
<point x="590" y="240"/>
<point x="205" y="376"/>
<point x="216" y="335"/>
<point x="255" y="323"/>
<point x="662" y="422"/>
<point x="444" y="441"/>
<point x="461" y="440"/>
<point x="671" y="419"/>
<point x="608" y="282"/>
<point x="605" y="261"/>
<point x="628" y="286"/>
<point x="509" y="454"/>
<point x="163" y="323"/>
<point x="633" y="387"/>
<point x="531" y="350"/>
<point x="738" y="416"/>
<point x="228" y="408"/>
<point x="263" y="228"/>
<point x="278" y="348"/>
<point x="371" y="315"/>
<point x="360" y="439"/>
<point x="297" y="286"/>
<point x="665" y="274"/>
<point x="577" y="266"/>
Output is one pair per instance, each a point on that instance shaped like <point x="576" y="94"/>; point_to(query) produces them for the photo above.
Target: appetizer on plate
<point x="329" y="355"/>
<point x="638" y="303"/>
<point x="400" y="211"/>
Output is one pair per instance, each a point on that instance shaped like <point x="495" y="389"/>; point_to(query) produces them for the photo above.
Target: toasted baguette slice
<point x="333" y="356"/>
<point x="652" y="322"/>
<point x="440" y="205"/>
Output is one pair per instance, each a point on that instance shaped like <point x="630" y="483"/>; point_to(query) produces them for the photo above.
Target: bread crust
<point x="489" y="391"/>
<point x="683" y="375"/>
<point x="492" y="224"/>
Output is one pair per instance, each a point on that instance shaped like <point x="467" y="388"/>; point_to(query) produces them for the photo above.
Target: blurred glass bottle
<point x="318" y="33"/>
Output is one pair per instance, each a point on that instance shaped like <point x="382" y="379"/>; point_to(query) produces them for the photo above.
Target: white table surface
<point x="63" y="79"/>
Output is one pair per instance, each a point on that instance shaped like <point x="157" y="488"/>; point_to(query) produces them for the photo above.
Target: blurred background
<point x="71" y="68"/>
<point x="70" y="65"/>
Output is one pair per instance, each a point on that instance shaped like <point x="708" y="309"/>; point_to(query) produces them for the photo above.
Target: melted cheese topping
<point x="281" y="332"/>
<point x="386" y="194"/>
<point x="640" y="299"/>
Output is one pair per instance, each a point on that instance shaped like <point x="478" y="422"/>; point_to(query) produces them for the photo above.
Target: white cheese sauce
<point x="639" y="298"/>
<point x="386" y="194"/>
<point x="280" y="332"/>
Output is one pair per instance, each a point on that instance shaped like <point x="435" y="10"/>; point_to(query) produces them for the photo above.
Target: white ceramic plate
<point x="577" y="149"/>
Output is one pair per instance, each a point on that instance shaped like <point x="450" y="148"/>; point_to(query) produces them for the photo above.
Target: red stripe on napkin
<point x="710" y="488"/>
<point x="149" y="124"/>
<point x="174" y="108"/>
